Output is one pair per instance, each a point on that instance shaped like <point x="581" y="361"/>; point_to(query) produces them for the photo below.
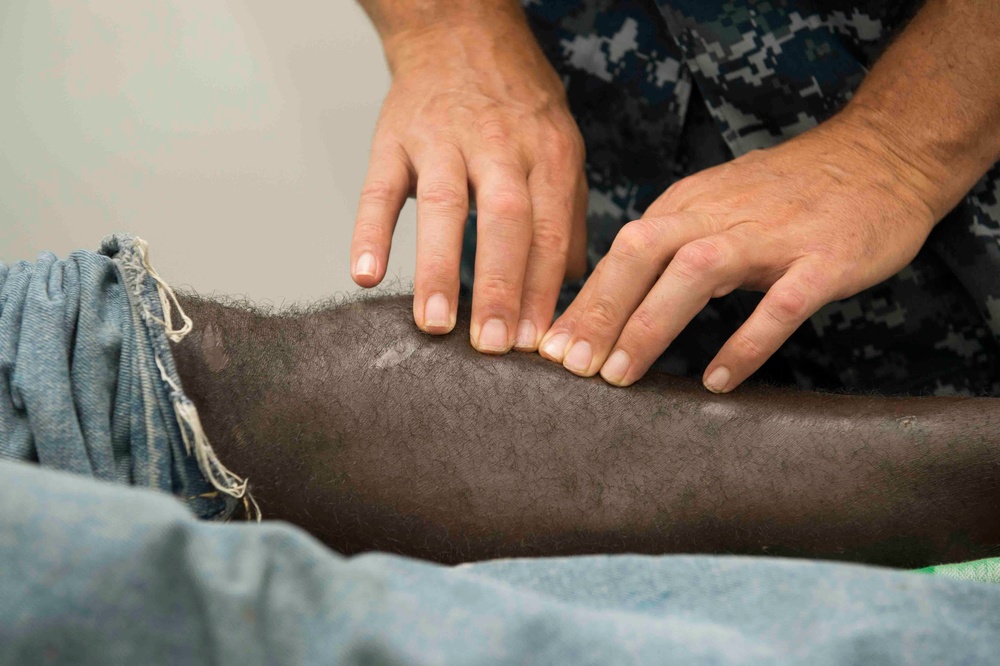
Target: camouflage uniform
<point x="664" y="89"/>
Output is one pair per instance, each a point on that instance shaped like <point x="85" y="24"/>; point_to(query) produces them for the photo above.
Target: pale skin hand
<point x="475" y="114"/>
<point x="818" y="218"/>
<point x="800" y="221"/>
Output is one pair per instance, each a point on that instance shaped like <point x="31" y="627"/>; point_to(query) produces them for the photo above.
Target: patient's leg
<point x="372" y="435"/>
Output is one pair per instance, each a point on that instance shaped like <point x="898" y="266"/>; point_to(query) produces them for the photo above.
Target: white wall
<point x="233" y="135"/>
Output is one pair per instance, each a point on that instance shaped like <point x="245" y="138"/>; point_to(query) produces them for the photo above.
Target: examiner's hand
<point x="818" y="218"/>
<point x="476" y="112"/>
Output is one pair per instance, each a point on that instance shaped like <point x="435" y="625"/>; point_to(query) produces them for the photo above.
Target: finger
<point x="637" y="258"/>
<point x="576" y="261"/>
<point x="699" y="270"/>
<point x="442" y="209"/>
<point x="795" y="297"/>
<point x="553" y="344"/>
<point x="382" y="197"/>
<point x="552" y="203"/>
<point x="503" y="239"/>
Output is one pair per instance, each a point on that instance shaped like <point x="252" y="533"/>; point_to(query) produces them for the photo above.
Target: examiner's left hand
<point x="815" y="219"/>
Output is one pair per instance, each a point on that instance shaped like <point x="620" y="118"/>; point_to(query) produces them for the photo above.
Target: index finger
<point x="382" y="197"/>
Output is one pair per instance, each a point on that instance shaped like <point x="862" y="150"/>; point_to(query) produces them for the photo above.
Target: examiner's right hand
<point x="476" y="112"/>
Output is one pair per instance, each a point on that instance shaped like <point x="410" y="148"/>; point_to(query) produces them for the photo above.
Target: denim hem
<point x="153" y="310"/>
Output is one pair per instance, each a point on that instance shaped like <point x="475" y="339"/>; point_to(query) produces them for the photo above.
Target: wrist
<point x="938" y="171"/>
<point x="932" y="102"/>
<point x="414" y="30"/>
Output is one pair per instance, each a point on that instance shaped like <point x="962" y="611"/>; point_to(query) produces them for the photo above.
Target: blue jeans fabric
<point x="88" y="382"/>
<point x="94" y="572"/>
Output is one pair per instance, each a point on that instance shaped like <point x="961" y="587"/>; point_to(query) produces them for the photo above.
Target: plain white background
<point x="233" y="135"/>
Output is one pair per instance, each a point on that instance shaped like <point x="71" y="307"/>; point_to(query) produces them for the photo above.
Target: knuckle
<point x="535" y="294"/>
<point x="634" y="241"/>
<point x="747" y="348"/>
<point x="550" y="238"/>
<point x="566" y="147"/>
<point x="827" y="254"/>
<point x="508" y="205"/>
<point x="602" y="314"/>
<point x="821" y="282"/>
<point x="789" y="305"/>
<point x="497" y="287"/>
<point x="494" y="132"/>
<point x="680" y="190"/>
<point x="368" y="230"/>
<point x="560" y="144"/>
<point x="698" y="258"/>
<point x="380" y="191"/>
<point x="643" y="327"/>
<point x="445" y="138"/>
<point x="441" y="195"/>
<point x="434" y="265"/>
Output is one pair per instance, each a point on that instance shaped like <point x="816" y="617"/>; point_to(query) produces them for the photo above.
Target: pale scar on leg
<point x="213" y="349"/>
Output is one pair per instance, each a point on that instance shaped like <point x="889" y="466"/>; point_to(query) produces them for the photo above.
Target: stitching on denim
<point x="167" y="296"/>
<point x="133" y="258"/>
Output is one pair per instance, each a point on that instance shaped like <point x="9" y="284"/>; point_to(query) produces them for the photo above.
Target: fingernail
<point x="555" y="346"/>
<point x="579" y="357"/>
<point x="493" y="336"/>
<point x="437" y="311"/>
<point x="615" y="368"/>
<point x="716" y="382"/>
<point x="365" y="266"/>
<point x="526" y="334"/>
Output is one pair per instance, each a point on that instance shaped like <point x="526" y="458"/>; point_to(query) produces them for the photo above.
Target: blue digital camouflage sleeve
<point x="664" y="89"/>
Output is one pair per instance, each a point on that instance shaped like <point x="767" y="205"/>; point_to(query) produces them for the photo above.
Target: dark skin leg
<point x="372" y="435"/>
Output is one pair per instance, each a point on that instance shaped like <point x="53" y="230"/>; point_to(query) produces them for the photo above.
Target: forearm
<point x="371" y="435"/>
<point x="933" y="99"/>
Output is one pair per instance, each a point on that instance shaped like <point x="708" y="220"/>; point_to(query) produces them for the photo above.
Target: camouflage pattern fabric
<point x="664" y="89"/>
